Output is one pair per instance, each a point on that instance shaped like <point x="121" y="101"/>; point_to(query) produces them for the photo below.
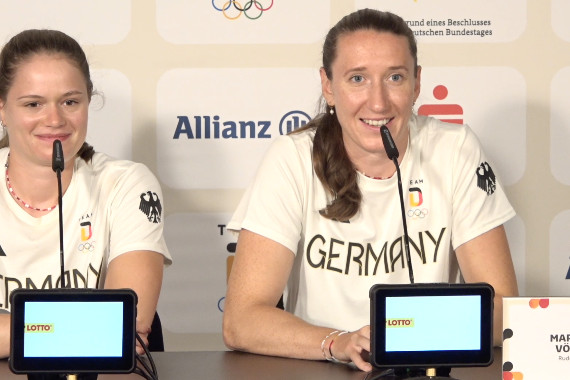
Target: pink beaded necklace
<point x="11" y="189"/>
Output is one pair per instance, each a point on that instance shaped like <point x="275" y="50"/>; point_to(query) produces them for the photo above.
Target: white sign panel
<point x="243" y="22"/>
<point x="458" y="21"/>
<point x="494" y="108"/>
<point x="214" y="125"/>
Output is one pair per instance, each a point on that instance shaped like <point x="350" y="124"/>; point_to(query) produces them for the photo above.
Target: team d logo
<point x="38" y="328"/>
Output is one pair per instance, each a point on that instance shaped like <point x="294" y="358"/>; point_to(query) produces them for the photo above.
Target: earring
<point x="331" y="111"/>
<point x="3" y="130"/>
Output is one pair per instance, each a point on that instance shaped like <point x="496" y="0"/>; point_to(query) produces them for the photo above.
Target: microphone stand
<point x="58" y="164"/>
<point x="59" y="202"/>
<point x="393" y="154"/>
<point x="406" y="238"/>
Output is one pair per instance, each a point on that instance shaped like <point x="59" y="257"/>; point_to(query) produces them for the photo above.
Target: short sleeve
<point x="479" y="200"/>
<point x="273" y="205"/>
<point x="136" y="214"/>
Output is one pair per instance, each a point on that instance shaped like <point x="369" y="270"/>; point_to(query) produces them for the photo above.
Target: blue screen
<point x="434" y="323"/>
<point x="73" y="329"/>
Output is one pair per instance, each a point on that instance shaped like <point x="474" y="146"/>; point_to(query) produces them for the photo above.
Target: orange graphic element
<point x="86" y="231"/>
<point x="512" y="376"/>
<point x="453" y="112"/>
<point x="416" y="197"/>
<point x="536" y="302"/>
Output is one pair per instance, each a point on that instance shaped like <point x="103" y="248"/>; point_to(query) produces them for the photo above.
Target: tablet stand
<point x="414" y="374"/>
<point x="62" y="376"/>
<point x="431" y="374"/>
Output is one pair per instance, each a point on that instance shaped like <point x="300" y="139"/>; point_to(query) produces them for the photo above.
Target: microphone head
<point x="389" y="144"/>
<point x="57" y="162"/>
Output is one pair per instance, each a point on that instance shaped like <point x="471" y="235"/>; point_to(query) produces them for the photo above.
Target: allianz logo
<point x="214" y="127"/>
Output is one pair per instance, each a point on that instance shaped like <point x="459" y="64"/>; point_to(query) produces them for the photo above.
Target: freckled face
<point x="373" y="84"/>
<point x="48" y="100"/>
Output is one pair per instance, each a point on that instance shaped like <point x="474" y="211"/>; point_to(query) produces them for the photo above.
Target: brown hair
<point x="34" y="41"/>
<point x="330" y="159"/>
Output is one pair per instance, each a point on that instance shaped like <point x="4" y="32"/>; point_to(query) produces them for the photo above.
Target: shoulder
<point x="431" y="127"/>
<point x="295" y="147"/>
<point x="107" y="166"/>
<point x="430" y="133"/>
<point x="300" y="142"/>
<point x="111" y="173"/>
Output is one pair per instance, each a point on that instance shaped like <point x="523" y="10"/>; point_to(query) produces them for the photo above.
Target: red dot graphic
<point x="440" y="92"/>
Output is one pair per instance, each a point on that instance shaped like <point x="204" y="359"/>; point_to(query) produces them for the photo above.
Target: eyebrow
<point x="68" y="93"/>
<point x="363" y="68"/>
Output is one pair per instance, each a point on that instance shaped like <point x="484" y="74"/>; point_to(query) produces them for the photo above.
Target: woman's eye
<point x="33" y="104"/>
<point x="70" y="102"/>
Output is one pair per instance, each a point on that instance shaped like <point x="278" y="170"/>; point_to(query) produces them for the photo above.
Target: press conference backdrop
<point x="197" y="90"/>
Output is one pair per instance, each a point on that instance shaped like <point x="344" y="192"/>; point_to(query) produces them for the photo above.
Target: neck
<point x="377" y="170"/>
<point x="34" y="185"/>
<point x="378" y="166"/>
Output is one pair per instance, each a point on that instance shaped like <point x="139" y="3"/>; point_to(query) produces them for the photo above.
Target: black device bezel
<point x="21" y="364"/>
<point x="427" y="359"/>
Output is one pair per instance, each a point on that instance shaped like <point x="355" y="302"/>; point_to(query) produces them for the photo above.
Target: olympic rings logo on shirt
<point x="252" y="14"/>
<point x="418" y="213"/>
<point x="86" y="247"/>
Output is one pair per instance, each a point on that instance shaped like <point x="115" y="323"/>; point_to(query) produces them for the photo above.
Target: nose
<point x="378" y="97"/>
<point x="54" y="116"/>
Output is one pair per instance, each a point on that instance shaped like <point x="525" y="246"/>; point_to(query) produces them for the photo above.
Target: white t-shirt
<point x="451" y="196"/>
<point x="110" y="207"/>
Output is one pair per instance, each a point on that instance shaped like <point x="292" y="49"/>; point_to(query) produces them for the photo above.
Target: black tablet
<point x="431" y="325"/>
<point x="73" y="331"/>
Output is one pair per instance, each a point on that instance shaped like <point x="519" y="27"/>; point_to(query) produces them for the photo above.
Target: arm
<point x="4" y="335"/>
<point x="140" y="271"/>
<point x="487" y="258"/>
<point x="252" y="322"/>
<point x="137" y="270"/>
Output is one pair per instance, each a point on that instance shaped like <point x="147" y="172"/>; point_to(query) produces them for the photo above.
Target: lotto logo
<point x="38" y="328"/>
<point x="405" y="322"/>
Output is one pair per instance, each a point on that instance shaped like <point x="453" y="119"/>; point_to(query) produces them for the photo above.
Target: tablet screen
<point x="73" y="330"/>
<point x="431" y="325"/>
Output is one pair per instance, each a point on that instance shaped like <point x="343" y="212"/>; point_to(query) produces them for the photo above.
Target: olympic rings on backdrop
<point x="247" y="7"/>
<point x="264" y="9"/>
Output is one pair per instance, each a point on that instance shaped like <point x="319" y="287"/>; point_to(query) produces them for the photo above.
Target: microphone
<point x="57" y="164"/>
<point x="393" y="154"/>
<point x="389" y="144"/>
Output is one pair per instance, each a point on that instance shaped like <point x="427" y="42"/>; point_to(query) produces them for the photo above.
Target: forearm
<point x="498" y="318"/>
<point x="252" y="322"/>
<point x="272" y="331"/>
<point x="498" y="322"/>
<point x="142" y="272"/>
<point x="487" y="258"/>
<point x="4" y="335"/>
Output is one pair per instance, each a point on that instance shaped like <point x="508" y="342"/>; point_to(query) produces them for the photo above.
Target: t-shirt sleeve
<point x="136" y="214"/>
<point x="479" y="200"/>
<point x="273" y="204"/>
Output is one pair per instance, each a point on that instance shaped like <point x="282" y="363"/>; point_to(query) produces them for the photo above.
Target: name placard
<point x="536" y="338"/>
